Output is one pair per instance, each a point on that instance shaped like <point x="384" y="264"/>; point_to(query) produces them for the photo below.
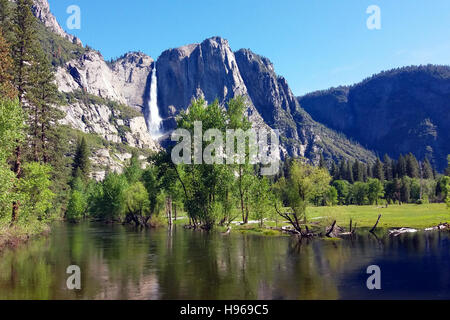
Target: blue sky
<point x="314" y="44"/>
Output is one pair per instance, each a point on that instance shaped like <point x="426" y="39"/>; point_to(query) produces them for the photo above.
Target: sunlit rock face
<point x="210" y="70"/>
<point x="213" y="71"/>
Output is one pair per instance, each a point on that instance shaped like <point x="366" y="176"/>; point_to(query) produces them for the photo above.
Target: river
<point x="120" y="262"/>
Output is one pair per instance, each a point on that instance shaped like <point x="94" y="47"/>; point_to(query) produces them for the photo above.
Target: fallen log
<point x="399" y="231"/>
<point x="440" y="226"/>
<point x="351" y="231"/>
<point x="227" y="232"/>
<point x="331" y="229"/>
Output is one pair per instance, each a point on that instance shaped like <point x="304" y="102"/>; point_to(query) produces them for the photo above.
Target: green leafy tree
<point x="149" y="178"/>
<point x="389" y="188"/>
<point x="11" y="127"/>
<point x="113" y="197"/>
<point x="34" y="188"/>
<point x="77" y="206"/>
<point x="201" y="183"/>
<point x="343" y="188"/>
<point x="374" y="190"/>
<point x="261" y="200"/>
<point x="359" y="193"/>
<point x="304" y="183"/>
<point x="238" y="121"/>
<point x="442" y="190"/>
<point x="137" y="203"/>
<point x="12" y="133"/>
<point x="331" y="198"/>
<point x="133" y="171"/>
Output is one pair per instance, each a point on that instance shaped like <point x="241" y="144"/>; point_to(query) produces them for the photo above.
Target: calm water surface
<point x="119" y="262"/>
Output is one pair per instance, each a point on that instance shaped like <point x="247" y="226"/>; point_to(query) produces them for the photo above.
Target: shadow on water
<point x="120" y="262"/>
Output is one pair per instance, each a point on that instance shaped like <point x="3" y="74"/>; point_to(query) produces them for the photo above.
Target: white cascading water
<point x="154" y="120"/>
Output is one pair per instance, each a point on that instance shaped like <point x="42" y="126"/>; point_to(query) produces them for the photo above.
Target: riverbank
<point x="12" y="237"/>
<point x="394" y="216"/>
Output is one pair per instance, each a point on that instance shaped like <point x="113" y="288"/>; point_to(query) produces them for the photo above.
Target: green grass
<point x="407" y="215"/>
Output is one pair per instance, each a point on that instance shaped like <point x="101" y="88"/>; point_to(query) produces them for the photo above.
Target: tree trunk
<point x="44" y="145"/>
<point x="35" y="133"/>
<point x="169" y="210"/>
<point x="17" y="171"/>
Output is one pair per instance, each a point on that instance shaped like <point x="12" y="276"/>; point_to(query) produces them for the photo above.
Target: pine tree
<point x="405" y="191"/>
<point x="6" y="70"/>
<point x="4" y="11"/>
<point x="427" y="170"/>
<point x="5" y="20"/>
<point x="447" y="171"/>
<point x="412" y="166"/>
<point x="364" y="171"/>
<point x="349" y="172"/>
<point x="358" y="171"/>
<point x="369" y="172"/>
<point x="81" y="162"/>
<point x="378" y="171"/>
<point x="401" y="167"/>
<point x="25" y="42"/>
<point x="342" y="170"/>
<point x="322" y="163"/>
<point x="388" y="168"/>
<point x="334" y="171"/>
<point x="24" y="35"/>
<point x="43" y="96"/>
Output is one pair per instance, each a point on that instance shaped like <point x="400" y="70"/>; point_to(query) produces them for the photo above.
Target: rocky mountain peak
<point x="138" y="59"/>
<point x="41" y="10"/>
<point x="208" y="69"/>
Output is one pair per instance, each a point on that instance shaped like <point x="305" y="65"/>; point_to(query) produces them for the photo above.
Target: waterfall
<point x="154" y="120"/>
